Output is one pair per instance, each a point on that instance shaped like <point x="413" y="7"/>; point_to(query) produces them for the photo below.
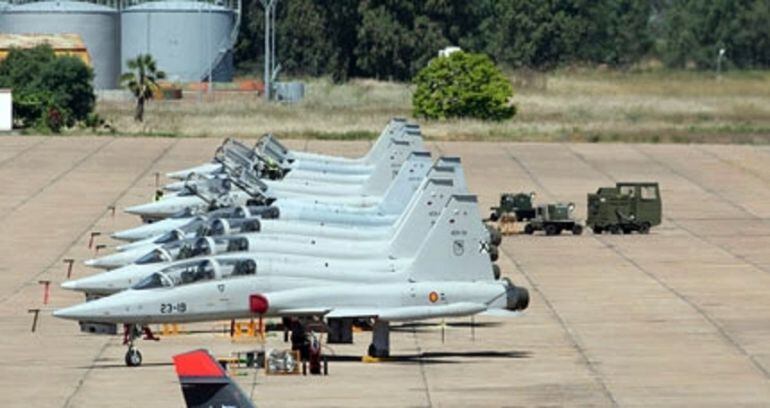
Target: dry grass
<point x="564" y="106"/>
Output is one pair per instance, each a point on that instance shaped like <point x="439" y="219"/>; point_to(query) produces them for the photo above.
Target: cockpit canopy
<point x="234" y="225"/>
<point x="198" y="271"/>
<point x="171" y="236"/>
<point x="157" y="255"/>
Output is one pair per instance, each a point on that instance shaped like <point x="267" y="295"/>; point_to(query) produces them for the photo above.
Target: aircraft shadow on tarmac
<point x="439" y="357"/>
<point x="419" y="327"/>
<point x="98" y="366"/>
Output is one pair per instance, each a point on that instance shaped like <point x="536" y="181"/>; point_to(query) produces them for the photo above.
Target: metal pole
<point x="208" y="46"/>
<point x="268" y="5"/>
<point x="274" y="5"/>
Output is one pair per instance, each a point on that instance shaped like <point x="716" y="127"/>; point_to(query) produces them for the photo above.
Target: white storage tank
<point x="187" y="39"/>
<point x="96" y="24"/>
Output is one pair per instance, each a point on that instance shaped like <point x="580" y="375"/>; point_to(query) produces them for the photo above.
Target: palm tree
<point x="142" y="81"/>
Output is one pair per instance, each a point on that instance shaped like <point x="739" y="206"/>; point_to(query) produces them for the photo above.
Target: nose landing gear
<point x="131" y="332"/>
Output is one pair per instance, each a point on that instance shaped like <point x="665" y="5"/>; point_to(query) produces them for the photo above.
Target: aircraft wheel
<point x="133" y="357"/>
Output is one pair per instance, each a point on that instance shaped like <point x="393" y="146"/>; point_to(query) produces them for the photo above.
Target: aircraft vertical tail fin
<point x="393" y="152"/>
<point x="409" y="178"/>
<point x="459" y="176"/>
<point x="206" y="384"/>
<point x="424" y="207"/>
<point x="457" y="247"/>
<point x="393" y="127"/>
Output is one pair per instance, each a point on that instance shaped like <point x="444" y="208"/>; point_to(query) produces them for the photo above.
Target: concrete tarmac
<point x="680" y="317"/>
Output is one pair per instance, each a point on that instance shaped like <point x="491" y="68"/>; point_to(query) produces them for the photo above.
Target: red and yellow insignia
<point x="433" y="297"/>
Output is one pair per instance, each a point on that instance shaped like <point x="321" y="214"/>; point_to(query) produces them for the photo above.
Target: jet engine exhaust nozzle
<point x="495" y="236"/>
<point x="517" y="298"/>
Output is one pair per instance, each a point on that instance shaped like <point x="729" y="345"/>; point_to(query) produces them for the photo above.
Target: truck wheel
<point x="615" y="229"/>
<point x="551" y="229"/>
<point x="644" y="228"/>
<point x="529" y="230"/>
<point x="597" y="229"/>
<point x="577" y="229"/>
<point x="494" y="217"/>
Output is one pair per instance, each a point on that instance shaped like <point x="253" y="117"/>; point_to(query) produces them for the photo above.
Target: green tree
<point x="49" y="91"/>
<point x="302" y="46"/>
<point x="695" y="30"/>
<point x="142" y="81"/>
<point x="462" y="85"/>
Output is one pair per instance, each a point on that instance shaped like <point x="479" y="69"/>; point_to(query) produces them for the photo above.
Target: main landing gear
<point x="380" y="346"/>
<point x="132" y="332"/>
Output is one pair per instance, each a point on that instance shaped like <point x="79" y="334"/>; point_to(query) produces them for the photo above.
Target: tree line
<point x="393" y="39"/>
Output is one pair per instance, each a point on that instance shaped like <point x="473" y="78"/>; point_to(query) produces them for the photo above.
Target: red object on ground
<point x="46" y="290"/>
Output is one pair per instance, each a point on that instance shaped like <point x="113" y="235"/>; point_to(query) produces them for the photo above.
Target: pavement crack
<point x="55" y="180"/>
<point x="23" y="151"/>
<point x="89" y="227"/>
<point x="85" y="375"/>
<point x="572" y="337"/>
<point x="423" y="374"/>
<point x="729" y="340"/>
<point x="694" y="182"/>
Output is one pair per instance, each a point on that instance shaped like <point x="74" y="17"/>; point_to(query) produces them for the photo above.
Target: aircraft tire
<point x="133" y="357"/>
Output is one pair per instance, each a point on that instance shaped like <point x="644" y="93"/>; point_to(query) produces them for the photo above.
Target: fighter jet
<point x="326" y="244"/>
<point x="246" y="187"/>
<point x="393" y="204"/>
<point x="170" y="247"/>
<point x="396" y="130"/>
<point x="320" y="185"/>
<point x="450" y="275"/>
<point x="205" y="383"/>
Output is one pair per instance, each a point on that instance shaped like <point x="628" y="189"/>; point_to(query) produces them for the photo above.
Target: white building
<point x="6" y="110"/>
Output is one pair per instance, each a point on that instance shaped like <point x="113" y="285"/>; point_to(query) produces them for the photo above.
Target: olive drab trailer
<point x="553" y="219"/>
<point x="625" y="208"/>
<point x="518" y="205"/>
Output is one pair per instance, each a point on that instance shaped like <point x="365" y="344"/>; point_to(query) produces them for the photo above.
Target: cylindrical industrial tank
<point x="187" y="39"/>
<point x="97" y="25"/>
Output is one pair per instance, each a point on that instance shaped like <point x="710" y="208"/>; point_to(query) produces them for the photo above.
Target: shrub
<point x="49" y="92"/>
<point x="462" y="85"/>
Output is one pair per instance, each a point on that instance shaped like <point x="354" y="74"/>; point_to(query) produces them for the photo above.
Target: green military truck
<point x="625" y="208"/>
<point x="518" y="205"/>
<point x="553" y="219"/>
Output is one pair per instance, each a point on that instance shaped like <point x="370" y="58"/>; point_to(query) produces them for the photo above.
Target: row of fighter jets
<point x="391" y="236"/>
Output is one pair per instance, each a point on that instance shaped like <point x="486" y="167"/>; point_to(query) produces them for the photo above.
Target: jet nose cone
<point x="175" y="186"/>
<point x="84" y="311"/>
<point x="70" y="285"/>
<point x="125" y="235"/>
<point x="111" y="261"/>
<point x="101" y="283"/>
<point x="155" y="209"/>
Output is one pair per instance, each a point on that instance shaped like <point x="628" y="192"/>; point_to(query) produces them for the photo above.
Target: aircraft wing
<point x="206" y="384"/>
<point x="408" y="313"/>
